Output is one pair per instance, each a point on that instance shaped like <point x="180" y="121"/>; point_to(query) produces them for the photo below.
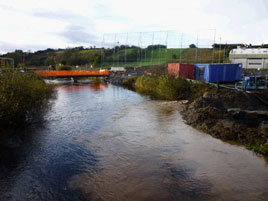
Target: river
<point x="106" y="143"/>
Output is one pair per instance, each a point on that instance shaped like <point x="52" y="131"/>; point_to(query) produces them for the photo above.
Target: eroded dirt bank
<point x="232" y="115"/>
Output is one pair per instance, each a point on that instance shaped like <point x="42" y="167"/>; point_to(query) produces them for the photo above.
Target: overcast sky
<point x="41" y="24"/>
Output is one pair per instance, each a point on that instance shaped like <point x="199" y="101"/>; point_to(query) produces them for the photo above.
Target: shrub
<point x="163" y="87"/>
<point x="21" y="97"/>
<point x="259" y="146"/>
<point x="130" y="83"/>
<point x="146" y="85"/>
<point x="171" y="88"/>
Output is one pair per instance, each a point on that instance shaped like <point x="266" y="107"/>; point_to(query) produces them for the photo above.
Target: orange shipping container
<point x="181" y="70"/>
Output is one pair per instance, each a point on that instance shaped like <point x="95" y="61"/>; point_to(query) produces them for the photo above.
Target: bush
<point x="259" y="146"/>
<point x="146" y="85"/>
<point x="163" y="87"/>
<point x="130" y="83"/>
<point x="171" y="88"/>
<point x="21" y="97"/>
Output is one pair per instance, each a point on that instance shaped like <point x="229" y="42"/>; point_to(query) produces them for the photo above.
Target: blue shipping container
<point x="218" y="72"/>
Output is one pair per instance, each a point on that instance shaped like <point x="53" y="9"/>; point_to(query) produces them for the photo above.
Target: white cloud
<point x="47" y="23"/>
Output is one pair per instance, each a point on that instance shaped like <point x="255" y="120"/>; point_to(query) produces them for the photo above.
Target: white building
<point x="250" y="57"/>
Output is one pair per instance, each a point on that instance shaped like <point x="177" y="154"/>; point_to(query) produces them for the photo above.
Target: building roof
<point x="249" y="53"/>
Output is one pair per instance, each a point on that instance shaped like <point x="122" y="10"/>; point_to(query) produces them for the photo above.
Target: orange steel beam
<point x="66" y="73"/>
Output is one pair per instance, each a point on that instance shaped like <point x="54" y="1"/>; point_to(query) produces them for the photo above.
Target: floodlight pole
<point x="196" y="49"/>
<point x="114" y="49"/>
<point x="152" y="53"/>
<point x="166" y="47"/>
<point x="103" y="51"/>
<point x="213" y="45"/>
<point x="181" y="46"/>
<point x="126" y="50"/>
<point x="220" y="52"/>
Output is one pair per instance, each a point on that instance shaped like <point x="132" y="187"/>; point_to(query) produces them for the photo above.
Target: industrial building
<point x="250" y="57"/>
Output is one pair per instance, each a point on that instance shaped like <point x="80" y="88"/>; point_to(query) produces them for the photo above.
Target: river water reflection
<point x="101" y="142"/>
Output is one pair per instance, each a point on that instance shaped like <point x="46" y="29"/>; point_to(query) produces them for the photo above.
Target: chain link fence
<point x="161" y="47"/>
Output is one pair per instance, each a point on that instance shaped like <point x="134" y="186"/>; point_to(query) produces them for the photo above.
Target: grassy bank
<point x="23" y="97"/>
<point x="165" y="87"/>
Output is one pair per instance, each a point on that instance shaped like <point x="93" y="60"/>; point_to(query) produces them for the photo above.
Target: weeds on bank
<point x="258" y="146"/>
<point x="22" y="96"/>
<point x="129" y="83"/>
<point x="167" y="87"/>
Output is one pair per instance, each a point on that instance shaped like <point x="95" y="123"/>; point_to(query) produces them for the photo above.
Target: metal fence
<point x="160" y="48"/>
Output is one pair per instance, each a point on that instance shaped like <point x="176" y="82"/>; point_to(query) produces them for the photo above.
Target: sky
<point x="32" y="25"/>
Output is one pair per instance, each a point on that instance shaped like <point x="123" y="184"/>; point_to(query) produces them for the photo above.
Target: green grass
<point x="161" y="56"/>
<point x="258" y="146"/>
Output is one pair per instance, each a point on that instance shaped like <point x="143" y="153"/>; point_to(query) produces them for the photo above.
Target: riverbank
<point x="23" y="99"/>
<point x="231" y="115"/>
<point x="223" y="113"/>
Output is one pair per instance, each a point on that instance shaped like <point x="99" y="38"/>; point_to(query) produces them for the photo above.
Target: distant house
<point x="250" y="57"/>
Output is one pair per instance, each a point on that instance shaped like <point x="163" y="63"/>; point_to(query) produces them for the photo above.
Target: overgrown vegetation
<point x="22" y="98"/>
<point x="258" y="146"/>
<point x="167" y="87"/>
<point x="129" y="83"/>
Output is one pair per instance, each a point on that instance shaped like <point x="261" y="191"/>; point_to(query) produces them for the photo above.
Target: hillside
<point x="118" y="56"/>
<point x="146" y="57"/>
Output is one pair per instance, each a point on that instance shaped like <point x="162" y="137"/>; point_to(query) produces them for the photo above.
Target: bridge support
<point x="74" y="80"/>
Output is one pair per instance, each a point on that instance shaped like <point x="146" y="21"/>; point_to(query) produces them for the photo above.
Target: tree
<point x="192" y="46"/>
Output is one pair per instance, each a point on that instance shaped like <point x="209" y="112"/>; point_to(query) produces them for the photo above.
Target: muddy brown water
<point x="101" y="142"/>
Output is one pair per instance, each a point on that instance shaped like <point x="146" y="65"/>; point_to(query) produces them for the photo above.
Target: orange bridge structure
<point x="72" y="74"/>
